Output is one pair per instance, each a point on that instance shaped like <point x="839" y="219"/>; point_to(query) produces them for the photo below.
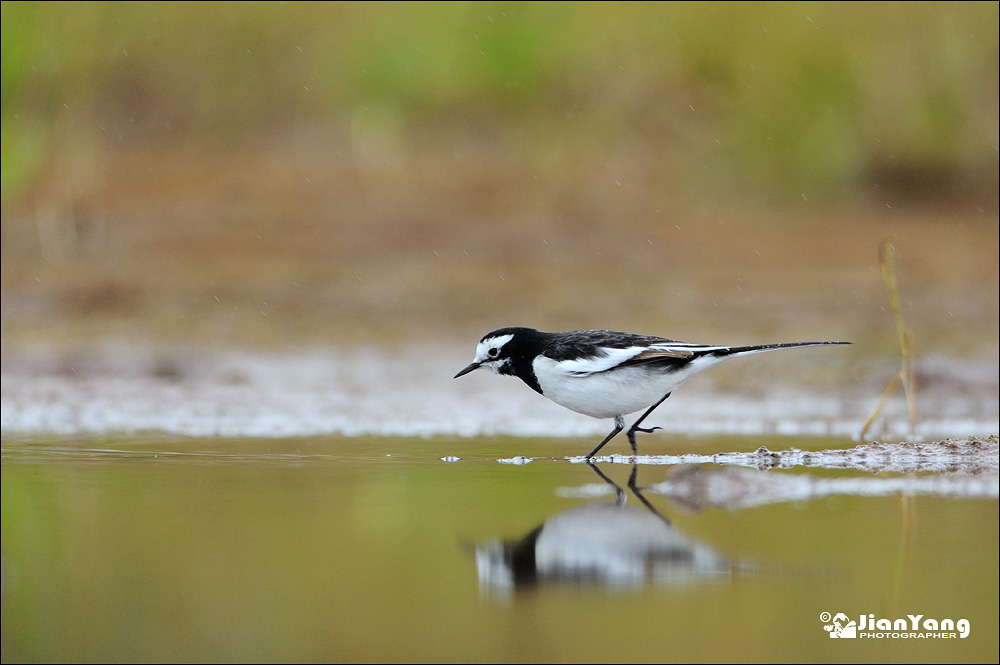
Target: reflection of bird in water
<point x="601" y="544"/>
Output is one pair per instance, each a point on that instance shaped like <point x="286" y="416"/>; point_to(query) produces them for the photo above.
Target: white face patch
<point x="488" y="352"/>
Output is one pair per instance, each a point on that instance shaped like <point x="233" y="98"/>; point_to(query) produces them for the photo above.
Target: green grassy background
<point x="824" y="99"/>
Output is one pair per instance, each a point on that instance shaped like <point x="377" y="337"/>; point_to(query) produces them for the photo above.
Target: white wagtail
<point x="603" y="373"/>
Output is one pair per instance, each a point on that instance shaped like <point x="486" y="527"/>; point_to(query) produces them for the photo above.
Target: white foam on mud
<point x="410" y="392"/>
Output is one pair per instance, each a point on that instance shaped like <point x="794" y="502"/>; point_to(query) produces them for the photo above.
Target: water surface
<point x="367" y="548"/>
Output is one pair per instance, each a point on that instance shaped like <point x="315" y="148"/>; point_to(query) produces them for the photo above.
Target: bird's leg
<point x="635" y="426"/>
<point x="619" y="492"/>
<point x="619" y="425"/>
<point x="634" y="486"/>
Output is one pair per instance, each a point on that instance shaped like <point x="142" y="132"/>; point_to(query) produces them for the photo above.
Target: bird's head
<point x="495" y="351"/>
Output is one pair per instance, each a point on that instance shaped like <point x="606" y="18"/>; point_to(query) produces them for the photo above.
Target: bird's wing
<point x="607" y="358"/>
<point x="662" y="351"/>
<point x="673" y="351"/>
<point x="610" y="358"/>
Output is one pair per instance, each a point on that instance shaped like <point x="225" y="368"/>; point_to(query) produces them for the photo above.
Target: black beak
<point x="468" y="369"/>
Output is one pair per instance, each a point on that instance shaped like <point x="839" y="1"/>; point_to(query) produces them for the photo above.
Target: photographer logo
<point x="914" y="626"/>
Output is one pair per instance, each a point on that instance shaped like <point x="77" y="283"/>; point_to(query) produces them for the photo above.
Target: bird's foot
<point x="631" y="437"/>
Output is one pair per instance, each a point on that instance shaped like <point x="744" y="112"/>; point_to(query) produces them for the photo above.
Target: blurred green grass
<point x="817" y="99"/>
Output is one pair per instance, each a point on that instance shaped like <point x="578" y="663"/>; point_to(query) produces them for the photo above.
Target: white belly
<point x="611" y="393"/>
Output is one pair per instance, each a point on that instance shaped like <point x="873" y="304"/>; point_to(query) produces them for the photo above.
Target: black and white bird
<point x="603" y="373"/>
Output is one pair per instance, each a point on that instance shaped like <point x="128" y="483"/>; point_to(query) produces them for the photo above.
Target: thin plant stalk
<point x="887" y="262"/>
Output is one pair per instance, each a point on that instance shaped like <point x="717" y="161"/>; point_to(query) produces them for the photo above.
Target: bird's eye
<point x="493" y="353"/>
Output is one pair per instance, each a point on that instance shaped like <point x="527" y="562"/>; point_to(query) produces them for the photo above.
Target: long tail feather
<point x="761" y="348"/>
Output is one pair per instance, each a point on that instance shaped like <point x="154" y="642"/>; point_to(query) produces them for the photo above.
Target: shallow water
<point x="369" y="548"/>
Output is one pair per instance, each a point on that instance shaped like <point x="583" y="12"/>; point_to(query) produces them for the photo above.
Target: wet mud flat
<point x="957" y="468"/>
<point x="974" y="455"/>
<point x="408" y="391"/>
